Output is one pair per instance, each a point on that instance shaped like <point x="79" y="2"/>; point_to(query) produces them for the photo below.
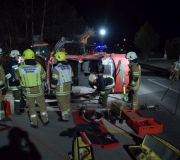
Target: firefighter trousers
<point x="32" y="109"/>
<point x="17" y="99"/>
<point x="134" y="103"/>
<point x="105" y="97"/>
<point x="2" y="109"/>
<point x="64" y="105"/>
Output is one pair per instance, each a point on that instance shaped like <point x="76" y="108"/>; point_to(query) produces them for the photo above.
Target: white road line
<point x="162" y="85"/>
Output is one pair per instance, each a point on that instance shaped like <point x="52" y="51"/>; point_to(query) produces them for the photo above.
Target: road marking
<point x="162" y="85"/>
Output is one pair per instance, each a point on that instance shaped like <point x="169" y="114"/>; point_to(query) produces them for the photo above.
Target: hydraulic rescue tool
<point x="125" y="97"/>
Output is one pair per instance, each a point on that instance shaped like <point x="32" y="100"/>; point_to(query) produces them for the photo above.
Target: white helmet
<point x="1" y="51"/>
<point x="92" y="77"/>
<point x="14" y="53"/>
<point x="131" y="56"/>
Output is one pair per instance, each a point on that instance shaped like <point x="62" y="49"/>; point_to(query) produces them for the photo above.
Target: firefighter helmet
<point x="131" y="56"/>
<point x="28" y="54"/>
<point x="60" y="56"/>
<point x="14" y="53"/>
<point x="1" y="51"/>
<point x="92" y="77"/>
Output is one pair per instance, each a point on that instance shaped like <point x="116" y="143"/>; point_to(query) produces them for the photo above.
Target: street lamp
<point x="102" y="32"/>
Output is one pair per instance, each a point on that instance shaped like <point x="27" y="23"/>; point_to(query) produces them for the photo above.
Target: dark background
<point x="123" y="18"/>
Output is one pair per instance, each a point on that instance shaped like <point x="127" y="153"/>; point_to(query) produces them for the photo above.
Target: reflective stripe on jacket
<point x="65" y="72"/>
<point x="30" y="75"/>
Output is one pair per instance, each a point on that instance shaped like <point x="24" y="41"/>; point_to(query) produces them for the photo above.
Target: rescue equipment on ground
<point x="140" y="124"/>
<point x="105" y="140"/>
<point x="74" y="132"/>
<point x="125" y="97"/>
<point x="7" y="107"/>
<point x="154" y="148"/>
<point x="80" y="150"/>
<point x="117" y="107"/>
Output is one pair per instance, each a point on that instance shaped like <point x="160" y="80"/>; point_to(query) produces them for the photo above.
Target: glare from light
<point x="102" y="32"/>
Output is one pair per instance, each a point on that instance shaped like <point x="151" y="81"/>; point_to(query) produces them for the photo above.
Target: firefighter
<point x="134" y="78"/>
<point x="31" y="76"/>
<point x="175" y="71"/>
<point x="2" y="92"/>
<point x="104" y="85"/>
<point x="61" y="81"/>
<point x="12" y="84"/>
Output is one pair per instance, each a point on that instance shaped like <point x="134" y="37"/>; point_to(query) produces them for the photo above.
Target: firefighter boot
<point x="34" y="120"/>
<point x="44" y="118"/>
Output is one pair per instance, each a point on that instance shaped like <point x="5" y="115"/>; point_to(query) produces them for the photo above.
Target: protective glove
<point x="2" y="86"/>
<point x="17" y="82"/>
<point x="4" y="91"/>
<point x="129" y="87"/>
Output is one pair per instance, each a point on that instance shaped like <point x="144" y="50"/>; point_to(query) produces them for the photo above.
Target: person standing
<point x="30" y="75"/>
<point x="12" y="84"/>
<point x="134" y="78"/>
<point x="61" y="81"/>
<point x="2" y="92"/>
<point x="176" y="71"/>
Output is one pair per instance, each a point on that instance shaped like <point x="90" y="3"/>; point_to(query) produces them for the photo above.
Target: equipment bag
<point x="80" y="150"/>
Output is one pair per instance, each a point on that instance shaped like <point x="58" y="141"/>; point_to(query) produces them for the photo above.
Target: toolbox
<point x="105" y="140"/>
<point x="154" y="147"/>
<point x="129" y="115"/>
<point x="145" y="126"/>
<point x="117" y="108"/>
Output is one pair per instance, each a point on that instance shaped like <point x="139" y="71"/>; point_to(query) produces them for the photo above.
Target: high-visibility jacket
<point x="31" y="77"/>
<point x="105" y="83"/>
<point x="176" y="66"/>
<point x="62" y="78"/>
<point x="10" y="70"/>
<point x="134" y="75"/>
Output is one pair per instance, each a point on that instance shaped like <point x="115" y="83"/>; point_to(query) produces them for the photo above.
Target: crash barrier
<point x="140" y="124"/>
<point x="154" y="148"/>
<point x="9" y="97"/>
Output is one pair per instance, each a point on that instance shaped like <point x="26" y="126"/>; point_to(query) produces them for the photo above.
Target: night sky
<point x="123" y="18"/>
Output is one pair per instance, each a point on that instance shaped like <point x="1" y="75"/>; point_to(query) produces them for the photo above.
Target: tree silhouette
<point x="146" y="39"/>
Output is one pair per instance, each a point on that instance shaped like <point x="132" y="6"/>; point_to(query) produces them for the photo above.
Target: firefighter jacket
<point x="2" y="78"/>
<point x="31" y="77"/>
<point x="10" y="70"/>
<point x="62" y="78"/>
<point x="176" y="66"/>
<point x="134" y="75"/>
<point x="105" y="83"/>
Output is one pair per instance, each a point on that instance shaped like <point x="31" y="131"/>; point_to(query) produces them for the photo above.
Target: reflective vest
<point x="30" y="75"/>
<point x="64" y="73"/>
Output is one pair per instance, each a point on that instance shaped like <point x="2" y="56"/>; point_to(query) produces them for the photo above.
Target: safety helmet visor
<point x="131" y="56"/>
<point x="92" y="77"/>
<point x="14" y="53"/>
